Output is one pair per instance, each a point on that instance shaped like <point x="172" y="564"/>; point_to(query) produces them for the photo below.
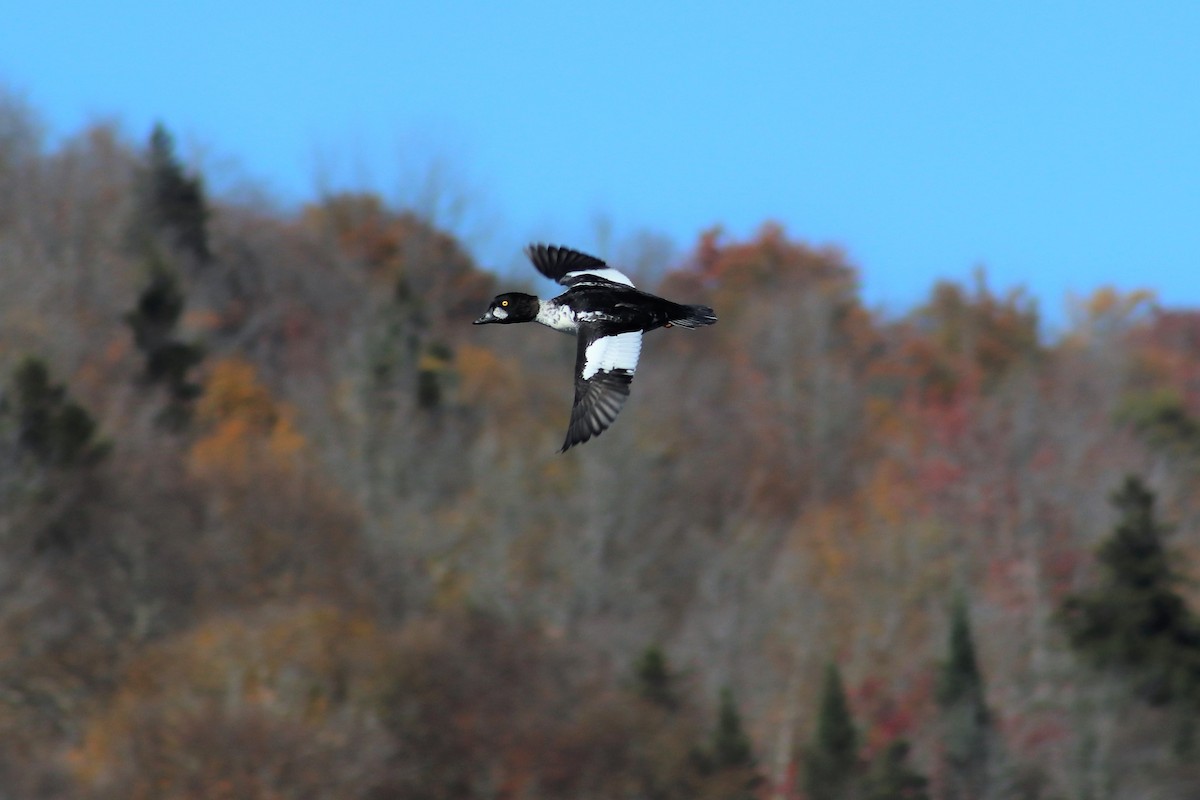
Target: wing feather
<point x="604" y="367"/>
<point x="570" y="267"/>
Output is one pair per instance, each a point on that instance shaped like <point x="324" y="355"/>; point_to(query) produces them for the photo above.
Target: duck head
<point x="510" y="307"/>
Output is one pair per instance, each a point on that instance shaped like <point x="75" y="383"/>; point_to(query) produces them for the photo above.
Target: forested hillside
<point x="277" y="521"/>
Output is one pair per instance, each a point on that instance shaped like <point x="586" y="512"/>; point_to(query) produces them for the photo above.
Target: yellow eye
<point x="504" y="303"/>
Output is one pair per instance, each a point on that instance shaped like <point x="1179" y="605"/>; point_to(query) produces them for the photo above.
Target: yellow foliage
<point x="480" y="369"/>
<point x="246" y="426"/>
<point x="1108" y="312"/>
<point x="233" y="391"/>
<point x="826" y="534"/>
<point x="1107" y="301"/>
<point x="287" y="662"/>
<point x="889" y="495"/>
<point x="488" y="380"/>
<point x="451" y="586"/>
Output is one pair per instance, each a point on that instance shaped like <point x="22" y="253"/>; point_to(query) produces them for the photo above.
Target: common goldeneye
<point x="608" y="316"/>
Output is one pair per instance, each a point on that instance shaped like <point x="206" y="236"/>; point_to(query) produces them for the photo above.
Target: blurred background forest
<point x="277" y="521"/>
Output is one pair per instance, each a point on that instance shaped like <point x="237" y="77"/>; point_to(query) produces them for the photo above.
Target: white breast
<point x="560" y="318"/>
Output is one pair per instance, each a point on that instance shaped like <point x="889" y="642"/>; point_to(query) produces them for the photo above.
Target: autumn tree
<point x="1165" y="347"/>
<point x="265" y="704"/>
<point x="971" y="335"/>
<point x="1107" y="315"/>
<point x="803" y="477"/>
<point x="793" y="326"/>
<point x="279" y="527"/>
<point x="965" y="719"/>
<point x="69" y="587"/>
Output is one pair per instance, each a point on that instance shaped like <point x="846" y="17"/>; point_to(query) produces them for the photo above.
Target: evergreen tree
<point x="960" y="679"/>
<point x="966" y="721"/>
<point x="653" y="679"/>
<point x="890" y="776"/>
<point x="168" y="361"/>
<point x="51" y="428"/>
<point x="43" y="428"/>
<point x="831" y="760"/>
<point x="730" y="746"/>
<point x="1164" y="421"/>
<point x="173" y="202"/>
<point x="1135" y="620"/>
<point x="727" y="766"/>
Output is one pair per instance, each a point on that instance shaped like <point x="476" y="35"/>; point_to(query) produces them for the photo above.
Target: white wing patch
<point x="612" y="352"/>
<point x="608" y="273"/>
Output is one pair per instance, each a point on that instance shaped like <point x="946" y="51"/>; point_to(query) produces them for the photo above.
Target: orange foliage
<point x="402" y="249"/>
<point x="1107" y="313"/>
<point x="889" y="714"/>
<point x="361" y="226"/>
<point x="244" y="423"/>
<point x="1166" y="351"/>
<point x="770" y="262"/>
<point x="240" y="678"/>
<point x="1109" y="303"/>
<point x="483" y="373"/>
<point x="889" y="496"/>
<point x="963" y="339"/>
<point x="803" y="472"/>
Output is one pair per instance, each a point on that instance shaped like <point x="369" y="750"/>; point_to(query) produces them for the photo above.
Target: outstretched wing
<point x="604" y="367"/>
<point x="570" y="267"/>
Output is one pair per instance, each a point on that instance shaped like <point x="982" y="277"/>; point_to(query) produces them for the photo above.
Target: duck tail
<point x="693" y="316"/>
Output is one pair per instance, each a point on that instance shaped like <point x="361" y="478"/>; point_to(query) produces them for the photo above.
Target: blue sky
<point x="1056" y="143"/>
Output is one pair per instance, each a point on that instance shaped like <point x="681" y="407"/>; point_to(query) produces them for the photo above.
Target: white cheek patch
<point x="611" y="353"/>
<point x="499" y="313"/>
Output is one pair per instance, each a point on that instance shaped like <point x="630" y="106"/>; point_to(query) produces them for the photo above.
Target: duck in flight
<point x="608" y="317"/>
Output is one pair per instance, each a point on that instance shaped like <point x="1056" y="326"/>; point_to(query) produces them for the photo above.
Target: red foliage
<point x="887" y="712"/>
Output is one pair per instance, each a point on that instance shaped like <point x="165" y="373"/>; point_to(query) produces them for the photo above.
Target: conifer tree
<point x="1135" y="620"/>
<point x="831" y="760"/>
<point x="730" y="746"/>
<point x="51" y="428"/>
<point x="727" y="766"/>
<point x="168" y="361"/>
<point x="1164" y="421"/>
<point x="173" y="202"/>
<point x="890" y="776"/>
<point x="43" y="428"/>
<point x="966" y="721"/>
<point x="653" y="679"/>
